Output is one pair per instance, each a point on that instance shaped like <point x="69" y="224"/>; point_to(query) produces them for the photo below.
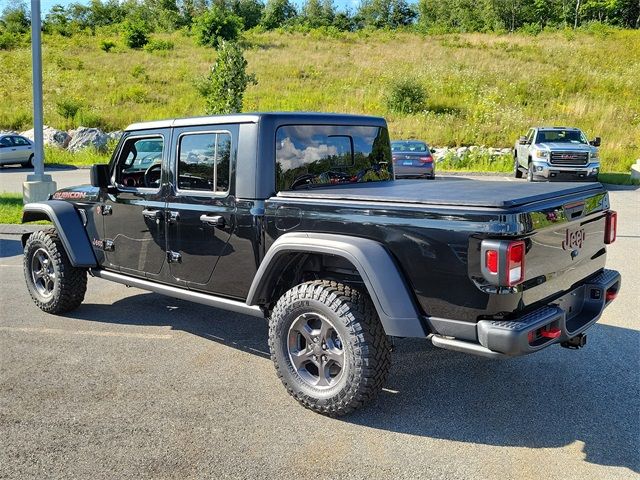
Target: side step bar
<point x="197" y="297"/>
<point x="464" y="347"/>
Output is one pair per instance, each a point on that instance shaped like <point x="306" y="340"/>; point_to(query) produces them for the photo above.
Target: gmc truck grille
<point x="569" y="158"/>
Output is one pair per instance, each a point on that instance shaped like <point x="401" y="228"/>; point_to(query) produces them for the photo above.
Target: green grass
<point x="482" y="89"/>
<point x="83" y="158"/>
<point x="10" y="208"/>
<point x="618" y="179"/>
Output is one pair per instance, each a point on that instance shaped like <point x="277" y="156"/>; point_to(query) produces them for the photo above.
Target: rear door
<point x="22" y="149"/>
<point x="201" y="206"/>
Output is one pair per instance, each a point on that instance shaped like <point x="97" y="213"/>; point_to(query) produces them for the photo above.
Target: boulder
<point x="635" y="170"/>
<point x="84" y="137"/>
<point x="114" y="136"/>
<point x="51" y="136"/>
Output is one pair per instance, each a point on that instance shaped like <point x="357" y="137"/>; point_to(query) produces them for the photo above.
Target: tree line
<point x="438" y="16"/>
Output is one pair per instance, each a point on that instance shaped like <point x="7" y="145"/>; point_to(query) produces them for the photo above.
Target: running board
<point x="197" y="297"/>
<point x="465" y="347"/>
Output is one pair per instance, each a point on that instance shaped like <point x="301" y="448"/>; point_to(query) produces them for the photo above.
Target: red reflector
<point x="551" y="333"/>
<point x="611" y="227"/>
<point x="611" y="295"/>
<point x="491" y="261"/>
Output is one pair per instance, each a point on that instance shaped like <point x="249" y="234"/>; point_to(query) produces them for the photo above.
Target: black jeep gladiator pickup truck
<point x="298" y="218"/>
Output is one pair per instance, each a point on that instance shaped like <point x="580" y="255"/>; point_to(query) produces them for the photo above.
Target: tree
<point x="15" y="18"/>
<point x="215" y="25"/>
<point x="387" y="13"/>
<point x="277" y="13"/>
<point x="318" y="13"/>
<point x="224" y="87"/>
<point x="135" y="34"/>
<point x="250" y="11"/>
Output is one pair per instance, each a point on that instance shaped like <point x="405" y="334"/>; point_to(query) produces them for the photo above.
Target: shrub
<point x="154" y="45"/>
<point x="224" y="87"/>
<point x="9" y="40"/>
<point x="68" y="108"/>
<point x="16" y="121"/>
<point x="215" y="25"/>
<point x="135" y="34"/>
<point x="91" y="119"/>
<point x="407" y="96"/>
<point x="107" y="45"/>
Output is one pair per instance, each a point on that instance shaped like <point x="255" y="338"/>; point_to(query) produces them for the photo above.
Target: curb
<point x="19" y="229"/>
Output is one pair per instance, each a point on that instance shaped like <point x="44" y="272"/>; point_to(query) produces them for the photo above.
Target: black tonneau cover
<point x="468" y="193"/>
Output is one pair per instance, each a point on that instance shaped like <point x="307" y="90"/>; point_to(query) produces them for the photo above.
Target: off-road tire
<point x="516" y="167"/>
<point x="70" y="283"/>
<point x="367" y="351"/>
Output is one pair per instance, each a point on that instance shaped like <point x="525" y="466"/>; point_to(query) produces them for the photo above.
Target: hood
<point x="566" y="147"/>
<point x="80" y="193"/>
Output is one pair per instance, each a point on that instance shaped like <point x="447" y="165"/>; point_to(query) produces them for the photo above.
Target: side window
<point x="139" y="163"/>
<point x="6" y="142"/>
<point x="21" y="142"/>
<point x="530" y="135"/>
<point x="204" y="161"/>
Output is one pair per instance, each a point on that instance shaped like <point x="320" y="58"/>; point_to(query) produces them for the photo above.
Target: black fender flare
<point x="383" y="279"/>
<point x="68" y="223"/>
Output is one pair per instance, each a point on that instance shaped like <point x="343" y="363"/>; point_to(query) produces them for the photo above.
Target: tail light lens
<point x="426" y="159"/>
<point x="611" y="227"/>
<point x="503" y="262"/>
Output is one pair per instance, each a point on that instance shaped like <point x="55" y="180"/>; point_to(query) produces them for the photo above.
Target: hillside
<point x="484" y="89"/>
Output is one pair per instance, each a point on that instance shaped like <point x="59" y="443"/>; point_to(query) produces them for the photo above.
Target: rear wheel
<point x="54" y="284"/>
<point x="28" y="163"/>
<point x="329" y="347"/>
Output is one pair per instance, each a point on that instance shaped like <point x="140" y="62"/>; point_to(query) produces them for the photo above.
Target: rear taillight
<point x="610" y="227"/>
<point x="426" y="159"/>
<point x="503" y="262"/>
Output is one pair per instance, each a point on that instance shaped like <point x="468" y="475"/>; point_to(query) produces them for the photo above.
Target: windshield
<point x="310" y="156"/>
<point x="408" y="146"/>
<point x="560" y="136"/>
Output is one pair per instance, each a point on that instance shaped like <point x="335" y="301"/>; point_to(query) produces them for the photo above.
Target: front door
<point x="134" y="237"/>
<point x="200" y="213"/>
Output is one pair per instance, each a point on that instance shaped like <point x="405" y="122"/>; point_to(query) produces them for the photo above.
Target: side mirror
<point x="595" y="142"/>
<point x="432" y="150"/>
<point x="100" y="175"/>
<point x="523" y="141"/>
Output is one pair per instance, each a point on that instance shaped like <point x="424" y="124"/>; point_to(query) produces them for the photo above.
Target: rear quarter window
<point x="309" y="156"/>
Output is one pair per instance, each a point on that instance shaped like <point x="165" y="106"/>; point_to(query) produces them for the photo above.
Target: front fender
<point x="69" y="226"/>
<point x="385" y="283"/>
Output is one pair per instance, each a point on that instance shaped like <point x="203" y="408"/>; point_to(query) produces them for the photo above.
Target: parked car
<point x="556" y="153"/>
<point x="412" y="159"/>
<point x="15" y="149"/>
<point x="297" y="218"/>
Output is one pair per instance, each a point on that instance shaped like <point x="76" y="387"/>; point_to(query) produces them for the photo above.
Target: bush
<point x="216" y="25"/>
<point x="407" y="96"/>
<point x="107" y="45"/>
<point x="9" y="40"/>
<point x="135" y="34"/>
<point x="16" y="121"/>
<point x="68" y="108"/>
<point x="224" y="87"/>
<point x="154" y="45"/>
<point x="92" y="120"/>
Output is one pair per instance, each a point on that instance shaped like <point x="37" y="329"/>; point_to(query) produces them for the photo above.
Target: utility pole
<point x="38" y="186"/>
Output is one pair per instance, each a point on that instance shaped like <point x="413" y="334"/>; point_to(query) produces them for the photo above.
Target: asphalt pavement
<point x="137" y="385"/>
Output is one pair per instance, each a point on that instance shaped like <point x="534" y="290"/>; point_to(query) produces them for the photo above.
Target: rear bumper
<point x="557" y="322"/>
<point x="426" y="170"/>
<point x="547" y="171"/>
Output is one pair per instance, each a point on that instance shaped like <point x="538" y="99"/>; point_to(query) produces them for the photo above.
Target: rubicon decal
<point x="69" y="195"/>
<point x="574" y="239"/>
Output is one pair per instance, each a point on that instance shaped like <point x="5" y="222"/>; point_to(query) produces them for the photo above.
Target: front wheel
<point x="28" y="163"/>
<point x="329" y="347"/>
<point x="54" y="284"/>
<point x="530" y="173"/>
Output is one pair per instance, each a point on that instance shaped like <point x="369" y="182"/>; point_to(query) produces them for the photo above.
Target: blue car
<point x="412" y="159"/>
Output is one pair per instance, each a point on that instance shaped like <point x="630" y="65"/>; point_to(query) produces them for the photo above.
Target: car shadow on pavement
<point x="235" y="330"/>
<point x="551" y="399"/>
<point x="10" y="248"/>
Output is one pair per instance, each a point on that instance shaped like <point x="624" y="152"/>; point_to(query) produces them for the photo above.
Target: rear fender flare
<point x="383" y="279"/>
<point x="69" y="227"/>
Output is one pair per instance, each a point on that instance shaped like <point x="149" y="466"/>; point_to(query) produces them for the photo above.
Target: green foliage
<point x="250" y="11"/>
<point x="87" y="118"/>
<point x="107" y="45"/>
<point x="68" y="108"/>
<point x="159" y="45"/>
<point x="9" y="40"/>
<point x="318" y="13"/>
<point x="223" y="89"/>
<point x="278" y="13"/>
<point x="11" y="208"/>
<point x="15" y="120"/>
<point x="135" y="34"/>
<point x="477" y="161"/>
<point x="387" y="13"/>
<point x="406" y="95"/>
<point x="216" y="25"/>
<point x="15" y="18"/>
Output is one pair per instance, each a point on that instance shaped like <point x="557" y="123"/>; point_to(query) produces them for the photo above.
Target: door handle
<point x="152" y="214"/>
<point x="214" y="220"/>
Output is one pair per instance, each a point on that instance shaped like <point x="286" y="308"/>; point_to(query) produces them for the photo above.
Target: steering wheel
<point x="148" y="182"/>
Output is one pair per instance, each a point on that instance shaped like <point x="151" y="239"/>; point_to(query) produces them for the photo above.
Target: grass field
<point x="484" y="89"/>
<point x="10" y="208"/>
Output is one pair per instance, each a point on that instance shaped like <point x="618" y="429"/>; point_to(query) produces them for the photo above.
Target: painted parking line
<point x="59" y="331"/>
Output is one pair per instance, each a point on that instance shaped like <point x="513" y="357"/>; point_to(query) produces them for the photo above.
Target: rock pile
<point x="75" y="140"/>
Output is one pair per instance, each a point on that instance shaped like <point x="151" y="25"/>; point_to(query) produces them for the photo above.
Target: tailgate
<point x="567" y="245"/>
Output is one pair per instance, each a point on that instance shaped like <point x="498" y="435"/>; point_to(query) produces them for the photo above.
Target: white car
<point x="15" y="149"/>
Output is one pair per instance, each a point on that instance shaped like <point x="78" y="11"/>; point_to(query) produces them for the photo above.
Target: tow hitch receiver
<point x="576" y="342"/>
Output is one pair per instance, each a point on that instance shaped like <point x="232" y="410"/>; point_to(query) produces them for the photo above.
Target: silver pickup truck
<point x="556" y="153"/>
